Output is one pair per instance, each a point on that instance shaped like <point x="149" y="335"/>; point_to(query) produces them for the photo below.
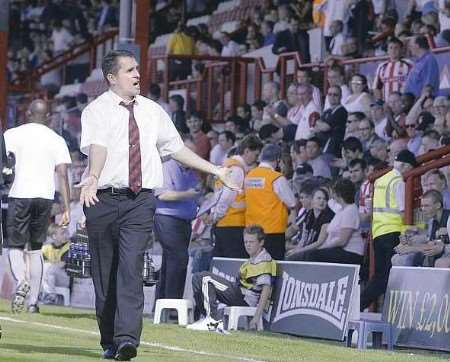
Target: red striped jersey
<point x="391" y="76"/>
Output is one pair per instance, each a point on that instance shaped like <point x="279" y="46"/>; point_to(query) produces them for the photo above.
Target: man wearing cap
<point x="387" y="223"/>
<point x="269" y="198"/>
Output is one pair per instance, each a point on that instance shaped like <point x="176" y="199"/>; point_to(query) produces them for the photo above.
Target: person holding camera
<point x="422" y="248"/>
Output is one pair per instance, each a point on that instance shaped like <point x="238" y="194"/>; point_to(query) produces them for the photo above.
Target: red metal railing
<point x="27" y="81"/>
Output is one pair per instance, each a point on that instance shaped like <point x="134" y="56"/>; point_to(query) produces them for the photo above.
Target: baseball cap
<point x="406" y="156"/>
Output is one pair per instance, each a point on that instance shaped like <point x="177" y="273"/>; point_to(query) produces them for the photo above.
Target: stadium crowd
<point x="304" y="160"/>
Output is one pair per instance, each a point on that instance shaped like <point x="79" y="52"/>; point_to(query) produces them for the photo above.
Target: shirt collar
<point x="117" y="99"/>
<point x="266" y="165"/>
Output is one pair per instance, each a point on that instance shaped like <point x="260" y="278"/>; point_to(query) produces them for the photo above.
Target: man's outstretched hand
<point x="224" y="175"/>
<point x="88" y="195"/>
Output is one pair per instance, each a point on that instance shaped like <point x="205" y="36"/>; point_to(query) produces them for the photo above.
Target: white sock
<point x="35" y="263"/>
<point x="17" y="263"/>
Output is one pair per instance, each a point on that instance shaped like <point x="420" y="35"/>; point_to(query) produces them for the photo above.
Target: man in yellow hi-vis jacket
<point x="387" y="223"/>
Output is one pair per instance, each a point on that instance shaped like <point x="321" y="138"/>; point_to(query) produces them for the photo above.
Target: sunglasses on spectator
<point x="333" y="94"/>
<point x="364" y="129"/>
<point x="410" y="126"/>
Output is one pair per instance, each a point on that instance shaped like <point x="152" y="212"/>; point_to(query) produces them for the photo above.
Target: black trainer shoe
<point x="126" y="351"/>
<point x="34" y="308"/>
<point x="109" y="353"/>
<point x="18" y="301"/>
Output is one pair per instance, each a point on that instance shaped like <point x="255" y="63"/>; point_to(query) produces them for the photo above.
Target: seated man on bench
<point x="252" y="289"/>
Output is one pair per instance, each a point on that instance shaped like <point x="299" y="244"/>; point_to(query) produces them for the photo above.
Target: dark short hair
<point x="345" y="189"/>
<point x="308" y="186"/>
<point x="358" y="161"/>
<point x="395" y="40"/>
<point x="314" y="139"/>
<point x="255" y="230"/>
<point x="422" y="42"/>
<point x="178" y="99"/>
<point x="110" y="64"/>
<point x="230" y="136"/>
<point x="338" y="69"/>
<point x="435" y="195"/>
<point x="246" y="107"/>
<point x="359" y="115"/>
<point x="251" y="142"/>
<point x="259" y="105"/>
<point x="352" y="144"/>
<point x="155" y="90"/>
<point x="267" y="131"/>
<point x="322" y="190"/>
<point x="195" y="114"/>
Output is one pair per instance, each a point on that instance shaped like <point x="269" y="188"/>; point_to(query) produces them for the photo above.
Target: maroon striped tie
<point x="134" y="164"/>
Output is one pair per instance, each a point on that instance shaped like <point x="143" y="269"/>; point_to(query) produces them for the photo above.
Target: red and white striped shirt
<point x="391" y="76"/>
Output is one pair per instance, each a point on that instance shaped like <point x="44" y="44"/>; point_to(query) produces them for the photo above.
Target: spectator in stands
<point x="180" y="43"/>
<point x="274" y="105"/>
<point x="444" y="15"/>
<point x="337" y="39"/>
<point x="415" y="138"/>
<point x="292" y="39"/>
<point x="107" y="17"/>
<point x="269" y="198"/>
<point x="436" y="180"/>
<point x="379" y="118"/>
<point x="253" y="287"/>
<point x="219" y="152"/>
<point x="154" y="94"/>
<point x="61" y="37"/>
<point x="309" y="114"/>
<point x="391" y="75"/>
<point x="292" y="102"/>
<point x="270" y="134"/>
<point x="422" y="247"/>
<point x="360" y="20"/>
<point x="426" y="68"/>
<point x="330" y="128"/>
<point x="176" y="207"/>
<point x="298" y="153"/>
<point x="336" y="77"/>
<point x="359" y="170"/>
<point x="284" y="17"/>
<point x="387" y="223"/>
<point x="229" y="212"/>
<point x="396" y="116"/>
<point x="378" y="151"/>
<point x="380" y="39"/>
<point x="267" y="32"/>
<point x="257" y="115"/>
<point x="352" y="126"/>
<point x="213" y="137"/>
<point x="440" y="110"/>
<point x="351" y="149"/>
<point x="367" y="133"/>
<point x="244" y="111"/>
<point x="359" y="100"/>
<point x="304" y="77"/>
<point x="340" y="241"/>
<point x="230" y="47"/>
<point x="318" y="215"/>
<point x="201" y="141"/>
<point x="316" y="159"/>
<point x="177" y="114"/>
<point x="233" y="124"/>
<point x="430" y="141"/>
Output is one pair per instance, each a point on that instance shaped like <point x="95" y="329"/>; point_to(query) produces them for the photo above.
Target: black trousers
<point x="27" y="222"/>
<point x="275" y="244"/>
<point x="335" y="255"/>
<point x="209" y="289"/>
<point x="174" y="235"/>
<point x="384" y="250"/>
<point x="119" y="227"/>
<point x="229" y="242"/>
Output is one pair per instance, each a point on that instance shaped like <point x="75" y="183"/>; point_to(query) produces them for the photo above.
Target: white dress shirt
<point x="105" y="123"/>
<point x="38" y="150"/>
<point x="282" y="189"/>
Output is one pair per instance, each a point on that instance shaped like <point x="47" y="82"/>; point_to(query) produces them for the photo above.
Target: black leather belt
<point x="121" y="191"/>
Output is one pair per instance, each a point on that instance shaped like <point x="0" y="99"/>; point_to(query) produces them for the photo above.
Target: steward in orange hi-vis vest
<point x="264" y="206"/>
<point x="235" y="215"/>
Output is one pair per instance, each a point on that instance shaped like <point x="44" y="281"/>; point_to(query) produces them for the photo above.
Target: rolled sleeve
<point x="284" y="192"/>
<point x="93" y="131"/>
<point x="169" y="140"/>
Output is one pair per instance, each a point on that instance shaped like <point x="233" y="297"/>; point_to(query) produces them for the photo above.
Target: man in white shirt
<point x="309" y="114"/>
<point x="230" y="47"/>
<point x="117" y="192"/>
<point x="338" y="39"/>
<point x="38" y="152"/>
<point x="218" y="153"/>
<point x="61" y="38"/>
<point x="336" y="77"/>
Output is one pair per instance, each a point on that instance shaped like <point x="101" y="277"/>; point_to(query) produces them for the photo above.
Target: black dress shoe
<point x="126" y="351"/>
